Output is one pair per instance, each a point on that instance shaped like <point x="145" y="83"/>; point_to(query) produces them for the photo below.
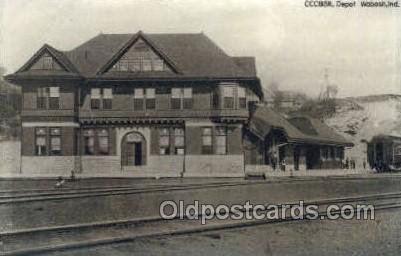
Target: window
<point x="215" y="99"/>
<point x="107" y="98"/>
<point x="41" y="99"/>
<point x="207" y="140"/>
<point x="324" y="153"/>
<point x="179" y="141"/>
<point x="54" y="99"/>
<point x="176" y="98"/>
<point x="181" y="98"/>
<point x="158" y="64"/>
<point x="146" y="64"/>
<point x="103" y="141"/>
<point x="150" y="98"/>
<point x="95" y="98"/>
<point x="188" y="98"/>
<point x="140" y="58"/>
<point x="221" y="140"/>
<point x="89" y="142"/>
<point x="55" y="141"/>
<point x="228" y="94"/>
<point x="164" y="141"/>
<point x="241" y="97"/>
<point x="46" y="62"/>
<point x="332" y="152"/>
<point x="40" y="141"/>
<point x="138" y="99"/>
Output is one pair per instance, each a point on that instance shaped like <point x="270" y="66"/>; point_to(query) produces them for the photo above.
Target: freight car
<point x="384" y="153"/>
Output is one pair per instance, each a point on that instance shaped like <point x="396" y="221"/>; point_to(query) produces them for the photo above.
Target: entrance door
<point x="138" y="153"/>
<point x="133" y="150"/>
<point x="296" y="158"/>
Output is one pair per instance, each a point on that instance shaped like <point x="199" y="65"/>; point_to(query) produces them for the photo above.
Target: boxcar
<point x="384" y="153"/>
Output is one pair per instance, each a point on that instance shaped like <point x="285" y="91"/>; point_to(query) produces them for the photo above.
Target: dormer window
<point x="140" y="58"/>
<point x="46" y="62"/>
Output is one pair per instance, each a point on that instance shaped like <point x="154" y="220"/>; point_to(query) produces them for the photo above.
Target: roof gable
<point x="48" y="59"/>
<point x="139" y="54"/>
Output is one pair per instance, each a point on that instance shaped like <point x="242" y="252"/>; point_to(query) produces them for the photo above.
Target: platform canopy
<point x="299" y="129"/>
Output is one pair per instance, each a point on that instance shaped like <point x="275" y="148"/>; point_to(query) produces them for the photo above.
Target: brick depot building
<point x="164" y="105"/>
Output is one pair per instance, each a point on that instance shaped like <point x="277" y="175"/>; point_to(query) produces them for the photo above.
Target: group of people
<point x="348" y="163"/>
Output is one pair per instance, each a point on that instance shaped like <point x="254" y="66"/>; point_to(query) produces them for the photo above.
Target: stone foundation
<point x="48" y="165"/>
<point x="214" y="166"/>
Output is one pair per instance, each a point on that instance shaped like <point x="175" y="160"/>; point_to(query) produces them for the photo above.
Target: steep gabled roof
<point x="264" y="119"/>
<point x="56" y="54"/>
<point x="191" y="55"/>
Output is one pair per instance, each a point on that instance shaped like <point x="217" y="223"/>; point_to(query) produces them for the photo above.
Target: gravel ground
<point x="352" y="237"/>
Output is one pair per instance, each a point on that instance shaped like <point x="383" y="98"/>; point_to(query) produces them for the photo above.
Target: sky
<point x="294" y="46"/>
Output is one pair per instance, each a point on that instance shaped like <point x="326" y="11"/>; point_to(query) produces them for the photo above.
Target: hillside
<point x="360" y="118"/>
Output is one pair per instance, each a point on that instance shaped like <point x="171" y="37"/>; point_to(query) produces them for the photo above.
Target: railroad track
<point x="22" y="196"/>
<point x="86" y="235"/>
<point x="29" y="195"/>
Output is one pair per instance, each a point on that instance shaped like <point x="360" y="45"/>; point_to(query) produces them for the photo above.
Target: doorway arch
<point x="133" y="149"/>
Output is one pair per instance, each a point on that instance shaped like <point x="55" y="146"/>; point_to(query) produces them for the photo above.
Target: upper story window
<point x="46" y="62"/>
<point x="241" y="97"/>
<point x="139" y="97"/>
<point x="144" y="98"/>
<point x="181" y="98"/>
<point x="150" y="95"/>
<point x="140" y="58"/>
<point x="54" y="99"/>
<point x="228" y="96"/>
<point x="48" y="98"/>
<point x="101" y="98"/>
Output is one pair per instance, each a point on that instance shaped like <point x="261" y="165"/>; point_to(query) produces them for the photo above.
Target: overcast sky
<point x="293" y="45"/>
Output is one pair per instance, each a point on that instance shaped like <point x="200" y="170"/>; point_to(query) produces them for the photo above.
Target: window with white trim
<point x="188" y="102"/>
<point x="228" y="96"/>
<point x="46" y="62"/>
<point x="179" y="141"/>
<point x="107" y="98"/>
<point x="207" y="144"/>
<point x="181" y="98"/>
<point x="103" y="141"/>
<point x="41" y="99"/>
<point x="164" y="141"/>
<point x="95" y="98"/>
<point x="139" y="99"/>
<point x="89" y="142"/>
<point x="41" y="141"/>
<point x="55" y="141"/>
<point x="221" y="140"/>
<point x="150" y="98"/>
<point x="140" y="58"/>
<point x="241" y="97"/>
<point x="54" y="97"/>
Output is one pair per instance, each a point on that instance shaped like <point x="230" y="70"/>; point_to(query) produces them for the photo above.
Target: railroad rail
<point x="86" y="235"/>
<point x="29" y="195"/>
